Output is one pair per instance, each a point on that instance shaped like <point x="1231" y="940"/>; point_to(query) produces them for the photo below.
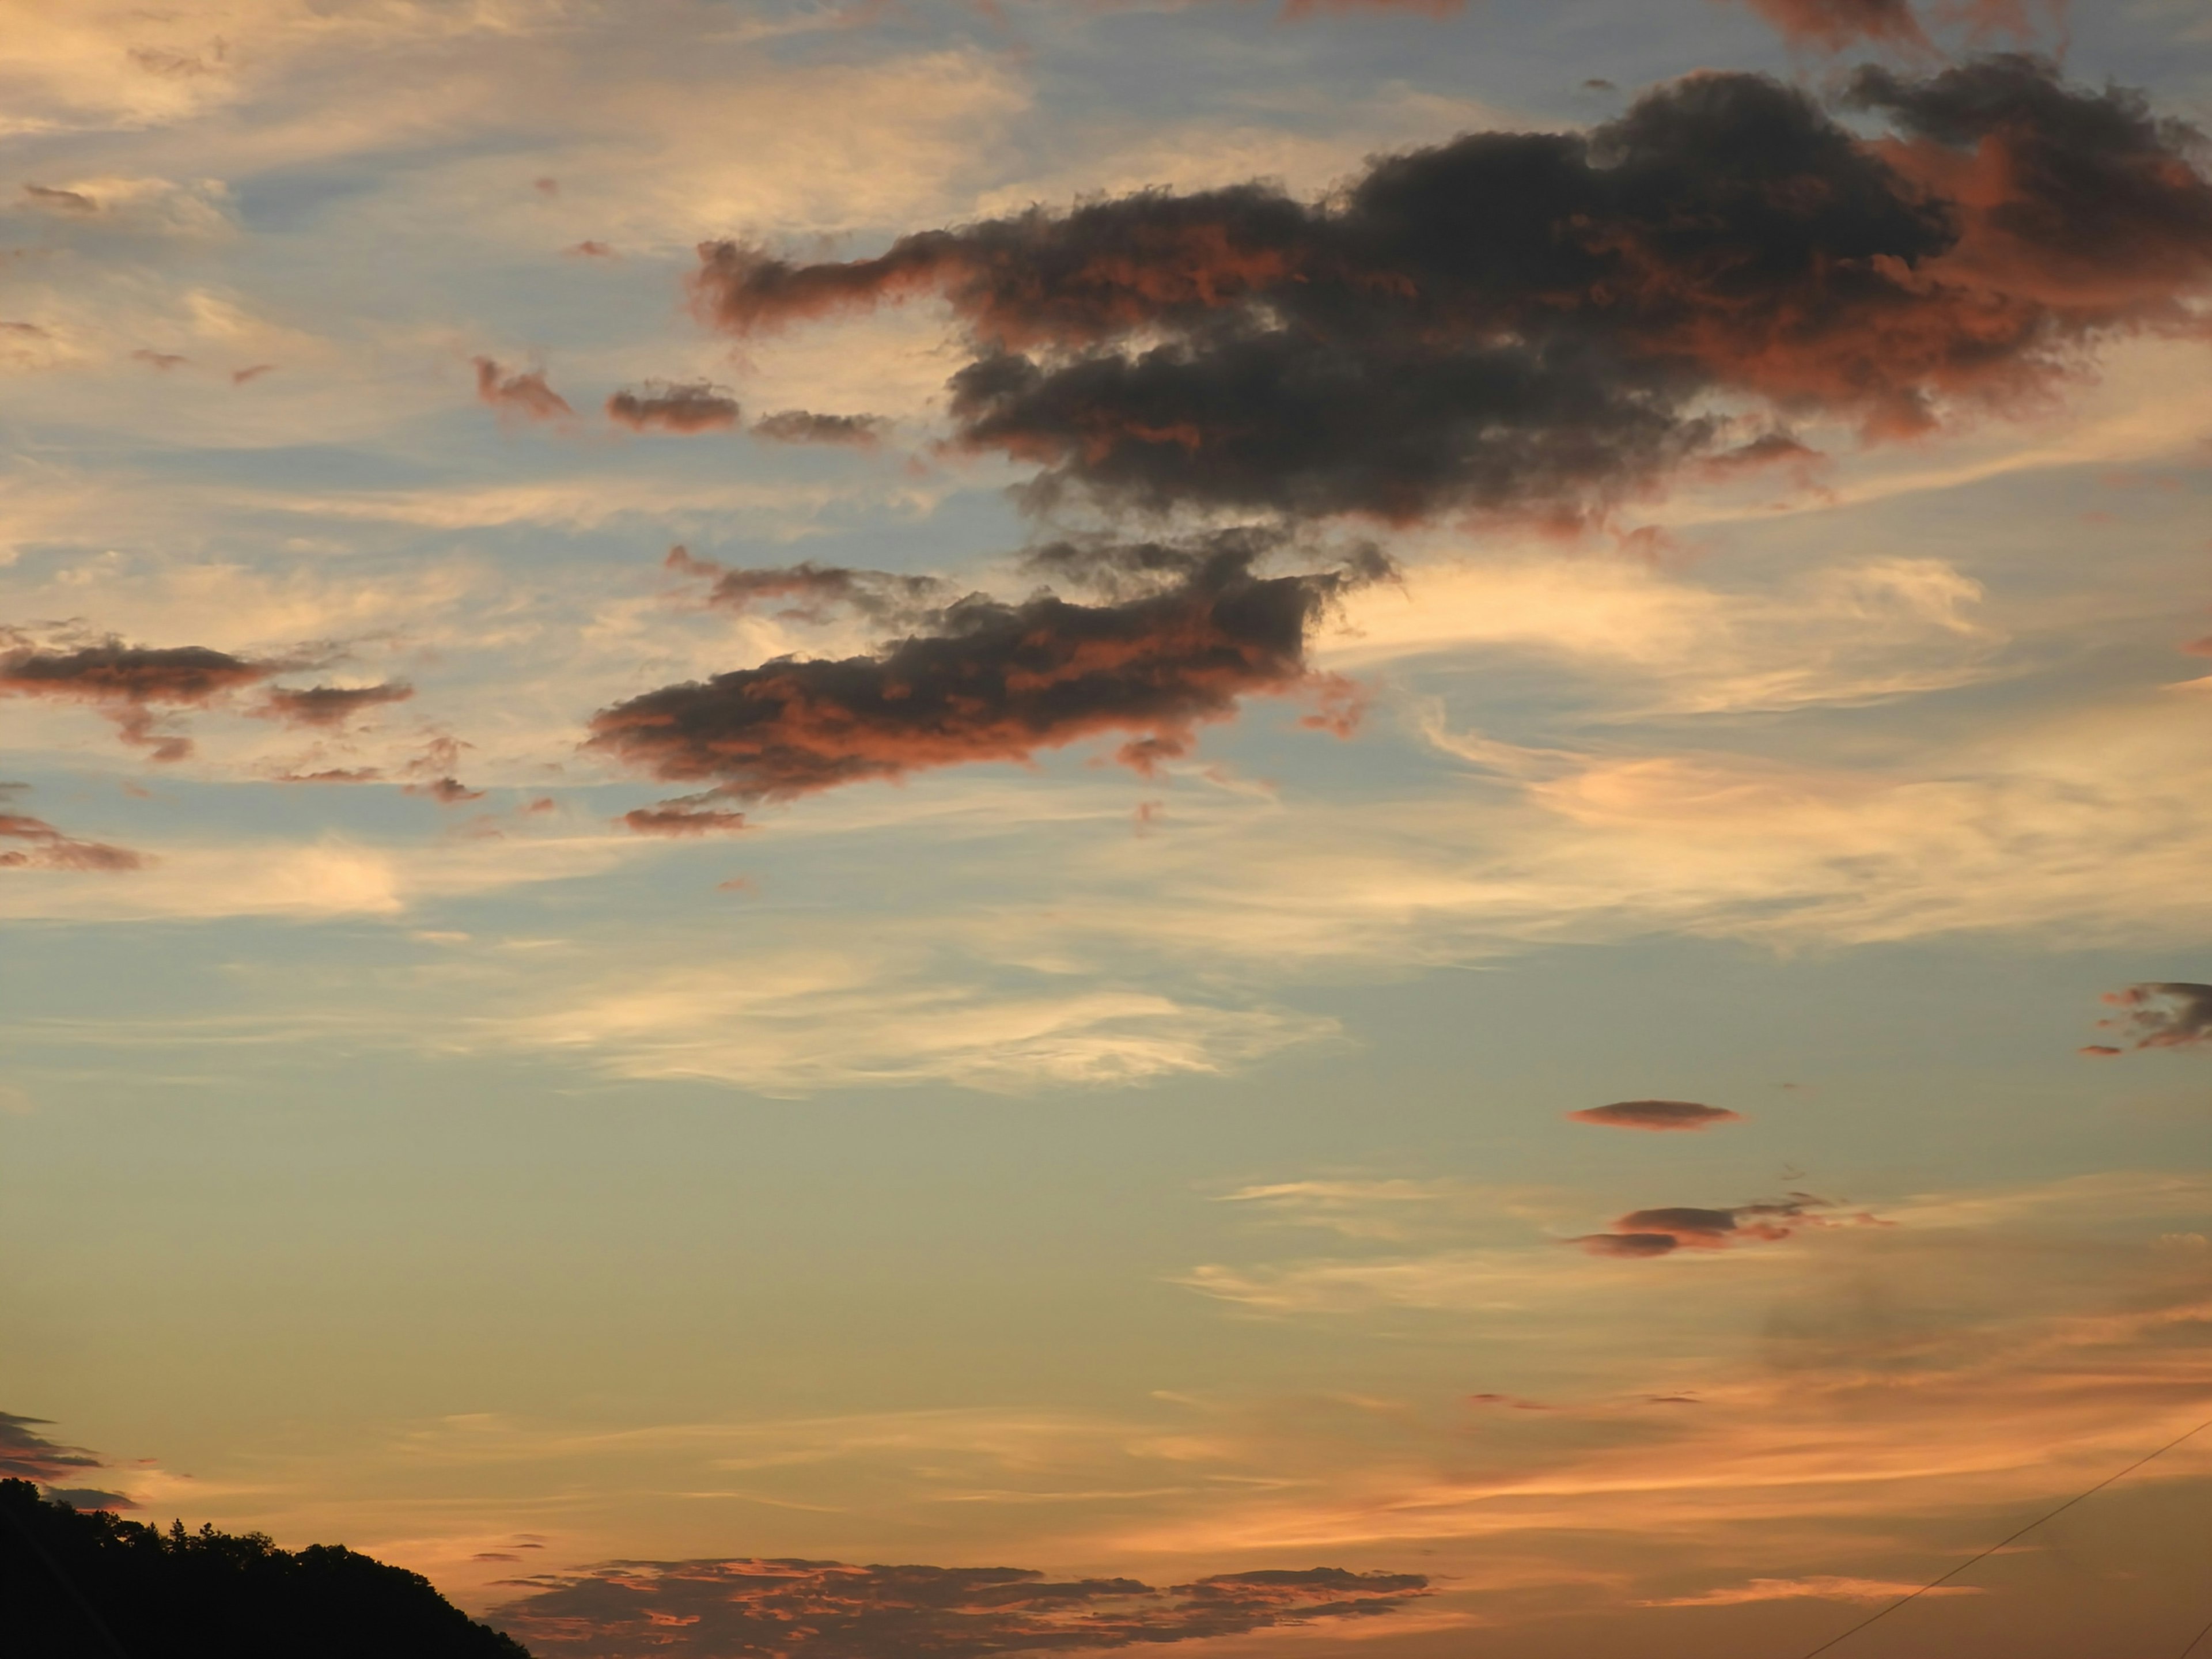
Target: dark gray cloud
<point x="27" y="1454"/>
<point x="809" y="591"/>
<point x="1541" y="323"/>
<point x="1657" y="1114"/>
<point x="789" y="1609"/>
<point x="692" y="406"/>
<point x="983" y="680"/>
<point x="1836" y="24"/>
<point x="800" y="425"/>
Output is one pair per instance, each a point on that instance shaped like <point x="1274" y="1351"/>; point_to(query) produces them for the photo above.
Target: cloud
<point x="753" y="1609"/>
<point x="446" y="792"/>
<point x="1657" y="1114"/>
<point x="682" y="818"/>
<point x="1822" y="1587"/>
<point x="27" y="1454"/>
<point x="692" y="406"/>
<point x="1662" y="1231"/>
<point x="38" y="846"/>
<point x="525" y="395"/>
<point x="880" y="596"/>
<point x="799" y="426"/>
<point x="330" y="705"/>
<point x="60" y="201"/>
<point x="1544" y="323"/>
<point x="2169" y="1014"/>
<point x="1835" y="24"/>
<point x="996" y="682"/>
<point x="129" y="683"/>
<point x="885" y="1010"/>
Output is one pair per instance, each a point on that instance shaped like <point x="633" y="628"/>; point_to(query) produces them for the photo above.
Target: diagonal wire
<point x="2196" y="1642"/>
<point x="1973" y="1561"/>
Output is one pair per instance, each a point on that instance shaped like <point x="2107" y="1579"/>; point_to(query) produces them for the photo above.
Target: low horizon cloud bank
<point x="792" y="1609"/>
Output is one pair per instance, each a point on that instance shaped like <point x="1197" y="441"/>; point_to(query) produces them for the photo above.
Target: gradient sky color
<point x="1341" y="936"/>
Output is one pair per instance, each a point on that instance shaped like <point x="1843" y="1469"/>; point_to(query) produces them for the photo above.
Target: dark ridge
<point x="88" y="1583"/>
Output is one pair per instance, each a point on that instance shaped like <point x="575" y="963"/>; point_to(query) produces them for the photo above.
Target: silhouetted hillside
<point x="90" y="1585"/>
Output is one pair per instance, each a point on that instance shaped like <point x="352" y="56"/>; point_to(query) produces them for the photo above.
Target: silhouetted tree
<point x="75" y="1583"/>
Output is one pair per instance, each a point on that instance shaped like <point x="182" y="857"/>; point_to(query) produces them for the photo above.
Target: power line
<point x="2196" y="1641"/>
<point x="1935" y="1583"/>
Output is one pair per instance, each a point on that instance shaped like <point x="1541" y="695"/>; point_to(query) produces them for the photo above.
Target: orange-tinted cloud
<point x="994" y="681"/>
<point x="685" y="816"/>
<point x="1836" y="24"/>
<point x="1657" y="1114"/>
<point x="1664" y="1231"/>
<point x="694" y="406"/>
<point x="1540" y="322"/>
<point x="2161" y="1014"/>
<point x="34" y="844"/>
<point x="757" y="1609"/>
<point x="328" y="705"/>
<point x="129" y="683"/>
<point x="525" y="395"/>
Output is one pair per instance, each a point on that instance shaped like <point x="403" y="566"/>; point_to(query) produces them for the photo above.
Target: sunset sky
<point x="1367" y="825"/>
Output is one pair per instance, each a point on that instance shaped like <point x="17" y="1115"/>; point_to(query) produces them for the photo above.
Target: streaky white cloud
<point x="795" y="1021"/>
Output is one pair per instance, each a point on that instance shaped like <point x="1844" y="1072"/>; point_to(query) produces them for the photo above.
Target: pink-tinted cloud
<point x="784" y="1609"/>
<point x="1642" y="1233"/>
<point x="519" y="394"/>
<point x="1838" y="25"/>
<point x="29" y="843"/>
<point x="989" y="681"/>
<point x="588" y="249"/>
<point x="129" y="683"/>
<point x="1663" y="1114"/>
<point x="328" y="705"/>
<point x="686" y="817"/>
<point x="2160" y="1014"/>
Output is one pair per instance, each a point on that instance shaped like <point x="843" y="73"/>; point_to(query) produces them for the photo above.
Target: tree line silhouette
<point x="74" y="1583"/>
